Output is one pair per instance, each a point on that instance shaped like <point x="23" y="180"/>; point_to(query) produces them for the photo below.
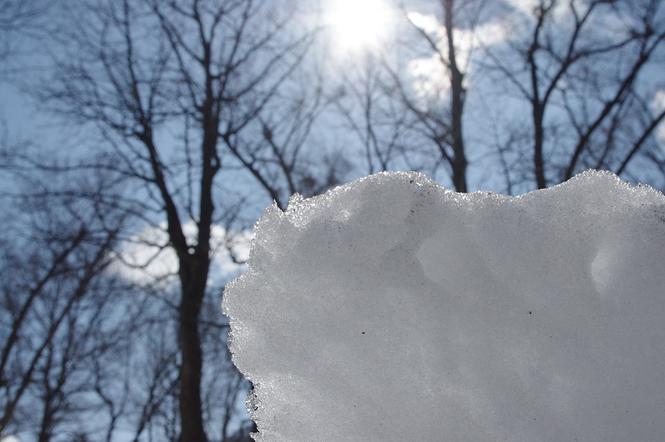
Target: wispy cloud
<point x="429" y="74"/>
<point x="658" y="104"/>
<point x="146" y="258"/>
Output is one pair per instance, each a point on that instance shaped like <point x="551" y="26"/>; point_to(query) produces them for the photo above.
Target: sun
<point x="358" y="25"/>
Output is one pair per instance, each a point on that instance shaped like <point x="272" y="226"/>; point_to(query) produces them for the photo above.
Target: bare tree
<point x="457" y="93"/>
<point x="570" y="66"/>
<point x="194" y="114"/>
<point x="18" y="18"/>
<point x="442" y="124"/>
<point x="377" y="119"/>
<point x="137" y="72"/>
<point x="275" y="149"/>
<point x="55" y="297"/>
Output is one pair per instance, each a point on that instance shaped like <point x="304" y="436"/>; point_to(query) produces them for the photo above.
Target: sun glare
<point x="358" y="25"/>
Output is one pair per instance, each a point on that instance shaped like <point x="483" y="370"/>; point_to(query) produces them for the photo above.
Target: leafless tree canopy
<point x="181" y="120"/>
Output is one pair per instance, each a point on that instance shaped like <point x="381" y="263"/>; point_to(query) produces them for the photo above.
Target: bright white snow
<point x="391" y="309"/>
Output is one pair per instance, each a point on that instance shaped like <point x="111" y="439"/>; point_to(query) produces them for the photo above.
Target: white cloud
<point x="658" y="104"/>
<point x="429" y="78"/>
<point x="429" y="75"/>
<point x="147" y="258"/>
<point x="428" y="23"/>
<point x="525" y="6"/>
<point x="528" y="7"/>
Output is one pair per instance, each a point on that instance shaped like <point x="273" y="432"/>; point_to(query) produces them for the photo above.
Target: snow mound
<point x="394" y="309"/>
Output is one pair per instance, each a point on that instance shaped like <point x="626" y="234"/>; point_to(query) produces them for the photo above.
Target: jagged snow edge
<point x="298" y="206"/>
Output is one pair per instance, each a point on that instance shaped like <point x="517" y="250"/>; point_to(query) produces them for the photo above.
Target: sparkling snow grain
<point x="391" y="309"/>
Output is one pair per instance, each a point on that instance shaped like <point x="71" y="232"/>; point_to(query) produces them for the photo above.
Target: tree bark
<point x="456" y="103"/>
<point x="538" y="144"/>
<point x="191" y="413"/>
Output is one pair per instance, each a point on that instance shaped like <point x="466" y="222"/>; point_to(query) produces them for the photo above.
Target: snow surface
<point x="394" y="309"/>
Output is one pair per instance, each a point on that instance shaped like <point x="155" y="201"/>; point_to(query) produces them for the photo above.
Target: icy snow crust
<point x="392" y="309"/>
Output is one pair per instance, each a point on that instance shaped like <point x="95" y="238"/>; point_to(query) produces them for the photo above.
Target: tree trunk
<point x="538" y="140"/>
<point x="457" y="102"/>
<point x="193" y="283"/>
